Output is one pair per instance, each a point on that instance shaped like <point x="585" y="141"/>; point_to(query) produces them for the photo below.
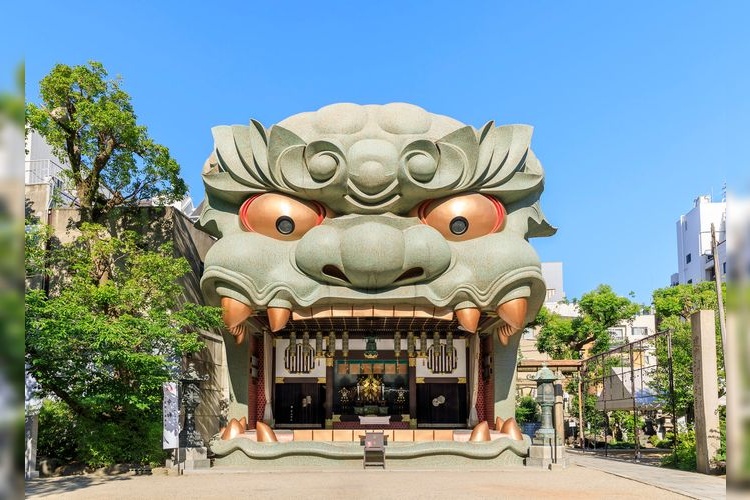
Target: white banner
<point x="171" y="408"/>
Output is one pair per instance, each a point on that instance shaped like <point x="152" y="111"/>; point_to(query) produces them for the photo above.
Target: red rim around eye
<point x="500" y="213"/>
<point x="243" y="213"/>
<point x="321" y="212"/>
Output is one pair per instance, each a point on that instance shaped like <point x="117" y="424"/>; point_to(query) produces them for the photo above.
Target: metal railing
<point x="626" y="396"/>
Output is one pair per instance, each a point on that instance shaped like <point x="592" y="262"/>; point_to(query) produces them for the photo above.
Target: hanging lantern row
<point x="330" y="348"/>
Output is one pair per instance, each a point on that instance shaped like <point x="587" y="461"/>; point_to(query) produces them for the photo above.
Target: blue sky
<point x="637" y="107"/>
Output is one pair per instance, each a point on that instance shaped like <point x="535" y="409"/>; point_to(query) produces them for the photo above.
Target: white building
<point x="695" y="261"/>
<point x="553" y="277"/>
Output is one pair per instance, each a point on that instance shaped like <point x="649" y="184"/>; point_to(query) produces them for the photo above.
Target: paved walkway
<point x="586" y="477"/>
<point x="690" y="484"/>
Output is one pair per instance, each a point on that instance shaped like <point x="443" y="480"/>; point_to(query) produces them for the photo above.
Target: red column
<point x="252" y="383"/>
<point x="489" y="382"/>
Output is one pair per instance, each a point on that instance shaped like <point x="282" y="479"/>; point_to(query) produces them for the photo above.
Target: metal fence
<point x="626" y="400"/>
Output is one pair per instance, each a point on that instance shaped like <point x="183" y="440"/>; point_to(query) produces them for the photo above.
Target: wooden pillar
<point x="706" y="387"/>
<point x="558" y="415"/>
<point x="413" y="390"/>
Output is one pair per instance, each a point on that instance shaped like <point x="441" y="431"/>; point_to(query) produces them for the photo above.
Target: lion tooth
<point x="513" y="313"/>
<point x="278" y="317"/>
<point x="468" y="318"/>
<point x="511" y="428"/>
<point x="481" y="432"/>
<point x="504" y="333"/>
<point x="239" y="333"/>
<point x="234" y="314"/>
<point x="233" y="429"/>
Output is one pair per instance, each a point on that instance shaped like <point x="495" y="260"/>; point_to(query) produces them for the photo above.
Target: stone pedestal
<point x="705" y="383"/>
<point x="547" y="456"/>
<point x="31" y="433"/>
<point x="191" y="459"/>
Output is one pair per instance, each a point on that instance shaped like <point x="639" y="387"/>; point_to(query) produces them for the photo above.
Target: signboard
<point x="171" y="407"/>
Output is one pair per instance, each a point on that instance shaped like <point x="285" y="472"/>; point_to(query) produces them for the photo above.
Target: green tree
<point x="600" y="309"/>
<point x="89" y="121"/>
<point x="674" y="306"/>
<point x="112" y="328"/>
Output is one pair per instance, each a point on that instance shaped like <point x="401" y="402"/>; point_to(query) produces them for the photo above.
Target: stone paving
<point x="586" y="477"/>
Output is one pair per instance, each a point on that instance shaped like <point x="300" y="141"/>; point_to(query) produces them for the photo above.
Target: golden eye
<point x="279" y="216"/>
<point x="464" y="216"/>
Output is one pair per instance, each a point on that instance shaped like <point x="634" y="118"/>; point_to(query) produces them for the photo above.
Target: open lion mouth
<point x="369" y="318"/>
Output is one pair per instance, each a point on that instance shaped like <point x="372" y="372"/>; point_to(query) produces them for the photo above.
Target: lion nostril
<point x="334" y="272"/>
<point x="414" y="272"/>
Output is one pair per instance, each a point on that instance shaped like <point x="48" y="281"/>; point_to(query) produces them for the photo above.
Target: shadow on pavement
<point x="67" y="484"/>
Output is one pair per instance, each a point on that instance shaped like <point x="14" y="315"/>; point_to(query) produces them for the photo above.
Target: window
<point x="690" y="282"/>
<point x="724" y="268"/>
<point x="640" y="331"/>
<point x="617" y="333"/>
<point x="688" y="258"/>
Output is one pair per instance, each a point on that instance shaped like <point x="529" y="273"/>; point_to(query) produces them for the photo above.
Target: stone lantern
<point x="545" y="450"/>
<point x="545" y="396"/>
<point x="191" y="398"/>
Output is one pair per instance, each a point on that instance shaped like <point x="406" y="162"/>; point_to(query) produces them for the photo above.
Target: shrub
<point x="685" y="452"/>
<point x="66" y="438"/>
<point x="57" y="436"/>
<point x="526" y="410"/>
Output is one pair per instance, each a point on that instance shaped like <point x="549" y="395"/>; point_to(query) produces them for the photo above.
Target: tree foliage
<point x="110" y="331"/>
<point x="600" y="309"/>
<point x="674" y="306"/>
<point x="89" y="121"/>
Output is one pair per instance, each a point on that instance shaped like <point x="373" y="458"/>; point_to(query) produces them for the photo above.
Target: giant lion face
<point x="373" y="211"/>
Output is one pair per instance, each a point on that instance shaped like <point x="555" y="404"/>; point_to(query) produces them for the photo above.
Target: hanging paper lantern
<point x="397" y="344"/>
<point x="306" y="342"/>
<point x="332" y="344"/>
<point x="319" y="343"/>
<point x="410" y="348"/>
<point x="345" y="344"/>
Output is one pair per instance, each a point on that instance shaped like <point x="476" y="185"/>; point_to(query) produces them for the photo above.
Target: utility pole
<point x="719" y="297"/>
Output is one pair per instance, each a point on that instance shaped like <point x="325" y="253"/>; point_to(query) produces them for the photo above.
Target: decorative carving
<point x="341" y="204"/>
<point x="441" y="358"/>
<point x="297" y="359"/>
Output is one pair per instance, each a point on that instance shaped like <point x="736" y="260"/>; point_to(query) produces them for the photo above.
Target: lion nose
<point x="372" y="255"/>
<point x="372" y="252"/>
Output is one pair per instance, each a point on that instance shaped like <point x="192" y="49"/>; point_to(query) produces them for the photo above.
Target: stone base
<point x="544" y="456"/>
<point x="191" y="459"/>
<point x="32" y="474"/>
